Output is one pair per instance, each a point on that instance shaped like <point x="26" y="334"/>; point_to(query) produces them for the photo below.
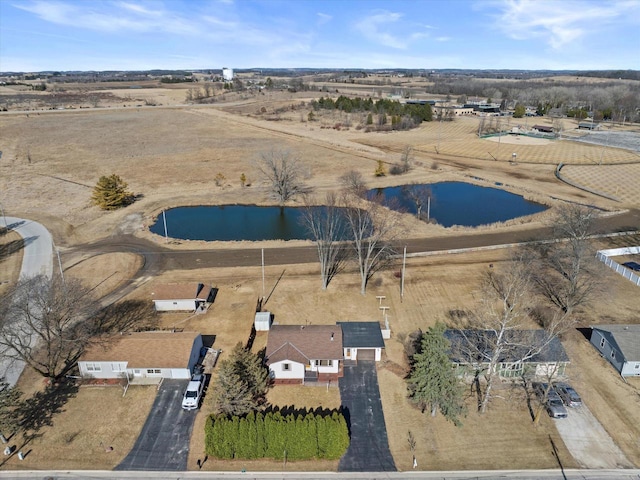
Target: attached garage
<point x="362" y="340"/>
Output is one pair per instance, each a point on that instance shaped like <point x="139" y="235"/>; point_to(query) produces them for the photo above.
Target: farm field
<point x="170" y="156"/>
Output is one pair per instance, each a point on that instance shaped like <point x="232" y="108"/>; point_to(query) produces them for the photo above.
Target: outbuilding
<point x="187" y="297"/>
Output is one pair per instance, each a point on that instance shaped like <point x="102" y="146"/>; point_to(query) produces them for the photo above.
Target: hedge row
<point x="272" y="435"/>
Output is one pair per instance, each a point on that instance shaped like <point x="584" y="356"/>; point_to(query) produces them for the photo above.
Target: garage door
<point x="366" y="354"/>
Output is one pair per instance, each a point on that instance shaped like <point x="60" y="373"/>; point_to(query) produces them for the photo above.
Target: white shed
<point x="262" y="321"/>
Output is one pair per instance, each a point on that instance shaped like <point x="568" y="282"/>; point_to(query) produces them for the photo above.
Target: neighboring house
<point x="163" y="354"/>
<point x="362" y="340"/>
<point x="470" y="349"/>
<point x="189" y="297"/>
<point x="620" y="344"/>
<point x="303" y="353"/>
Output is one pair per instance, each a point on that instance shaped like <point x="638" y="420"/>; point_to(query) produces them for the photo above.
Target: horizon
<point x="120" y="35"/>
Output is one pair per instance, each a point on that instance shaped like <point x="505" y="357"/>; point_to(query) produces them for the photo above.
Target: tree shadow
<point x="14" y="246"/>
<point x="136" y="315"/>
<point x="38" y="411"/>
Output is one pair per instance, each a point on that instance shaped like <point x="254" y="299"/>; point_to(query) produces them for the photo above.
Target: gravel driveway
<point x="588" y="442"/>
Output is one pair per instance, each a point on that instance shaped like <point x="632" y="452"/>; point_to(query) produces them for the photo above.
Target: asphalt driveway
<point x="163" y="443"/>
<point x="360" y="397"/>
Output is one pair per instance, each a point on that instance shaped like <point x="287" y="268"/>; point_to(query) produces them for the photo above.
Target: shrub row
<point x="273" y="435"/>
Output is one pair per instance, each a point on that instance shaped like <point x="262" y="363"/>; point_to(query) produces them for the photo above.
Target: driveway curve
<point x="37" y="259"/>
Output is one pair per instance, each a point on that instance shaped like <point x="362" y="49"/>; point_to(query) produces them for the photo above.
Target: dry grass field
<point x="170" y="155"/>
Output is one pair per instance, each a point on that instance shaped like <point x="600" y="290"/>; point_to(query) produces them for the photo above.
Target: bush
<point x="302" y="435"/>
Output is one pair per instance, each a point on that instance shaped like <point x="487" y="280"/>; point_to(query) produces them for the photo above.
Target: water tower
<point x="227" y="74"/>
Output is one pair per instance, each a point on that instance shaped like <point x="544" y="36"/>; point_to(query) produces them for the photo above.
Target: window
<point x="637" y="367"/>
<point x="324" y="363"/>
<point x="613" y="354"/>
<point x="93" y="367"/>
<point x="602" y="342"/>
<point x="153" y="371"/>
<point x="116" y="367"/>
<point x="286" y="367"/>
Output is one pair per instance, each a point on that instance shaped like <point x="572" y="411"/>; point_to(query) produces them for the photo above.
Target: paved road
<point x="360" y="396"/>
<point x="37" y="259"/>
<point x="163" y="443"/>
<point x="449" y="475"/>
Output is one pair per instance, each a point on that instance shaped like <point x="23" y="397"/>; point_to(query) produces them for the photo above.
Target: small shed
<point x="262" y="321"/>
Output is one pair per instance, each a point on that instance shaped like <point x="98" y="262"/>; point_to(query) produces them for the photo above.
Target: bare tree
<point x="353" y="183"/>
<point x="420" y="195"/>
<point x="406" y="158"/>
<point x="372" y="230"/>
<point x="327" y="228"/>
<point x="285" y="174"/>
<point x="565" y="271"/>
<point x="43" y="323"/>
<point x="497" y="331"/>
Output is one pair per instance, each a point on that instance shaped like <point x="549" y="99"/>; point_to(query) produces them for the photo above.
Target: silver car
<point x="568" y="395"/>
<point x="553" y="404"/>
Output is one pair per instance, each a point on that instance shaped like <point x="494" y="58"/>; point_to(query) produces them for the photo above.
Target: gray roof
<point x="483" y="343"/>
<point x="361" y="335"/>
<point x="626" y="338"/>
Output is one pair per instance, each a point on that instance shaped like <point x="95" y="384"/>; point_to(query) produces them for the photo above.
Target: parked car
<point x="568" y="395"/>
<point x="193" y="393"/>
<point x="553" y="404"/>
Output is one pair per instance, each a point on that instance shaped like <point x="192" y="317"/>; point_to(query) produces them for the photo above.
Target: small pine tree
<point x="110" y="193"/>
<point x="369" y="119"/>
<point x="380" y="170"/>
<point x="243" y="179"/>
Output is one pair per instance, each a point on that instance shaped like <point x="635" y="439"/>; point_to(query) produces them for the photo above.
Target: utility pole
<point x="263" y="274"/>
<point x="164" y="220"/>
<point x="404" y="265"/>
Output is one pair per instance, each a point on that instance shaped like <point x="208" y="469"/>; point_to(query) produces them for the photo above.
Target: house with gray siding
<point x="620" y="345"/>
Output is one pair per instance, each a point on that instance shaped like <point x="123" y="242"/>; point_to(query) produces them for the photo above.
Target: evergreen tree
<point x="110" y="193"/>
<point x="9" y="402"/>
<point x="519" y="111"/>
<point x="231" y="396"/>
<point x="432" y="381"/>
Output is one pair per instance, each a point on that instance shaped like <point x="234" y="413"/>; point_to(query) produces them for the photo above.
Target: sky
<point x="45" y="35"/>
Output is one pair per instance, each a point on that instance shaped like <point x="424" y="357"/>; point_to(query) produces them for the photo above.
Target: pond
<point x="233" y="222"/>
<point x="459" y="203"/>
<point x="452" y="203"/>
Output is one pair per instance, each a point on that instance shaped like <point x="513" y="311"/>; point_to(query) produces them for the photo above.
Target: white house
<point x="362" y="340"/>
<point x="620" y="345"/>
<point x="303" y="353"/>
<point x="188" y="297"/>
<point x="162" y="354"/>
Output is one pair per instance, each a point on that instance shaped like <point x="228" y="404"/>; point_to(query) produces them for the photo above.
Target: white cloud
<point x="372" y="29"/>
<point x="323" y="18"/>
<point x="559" y="23"/>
